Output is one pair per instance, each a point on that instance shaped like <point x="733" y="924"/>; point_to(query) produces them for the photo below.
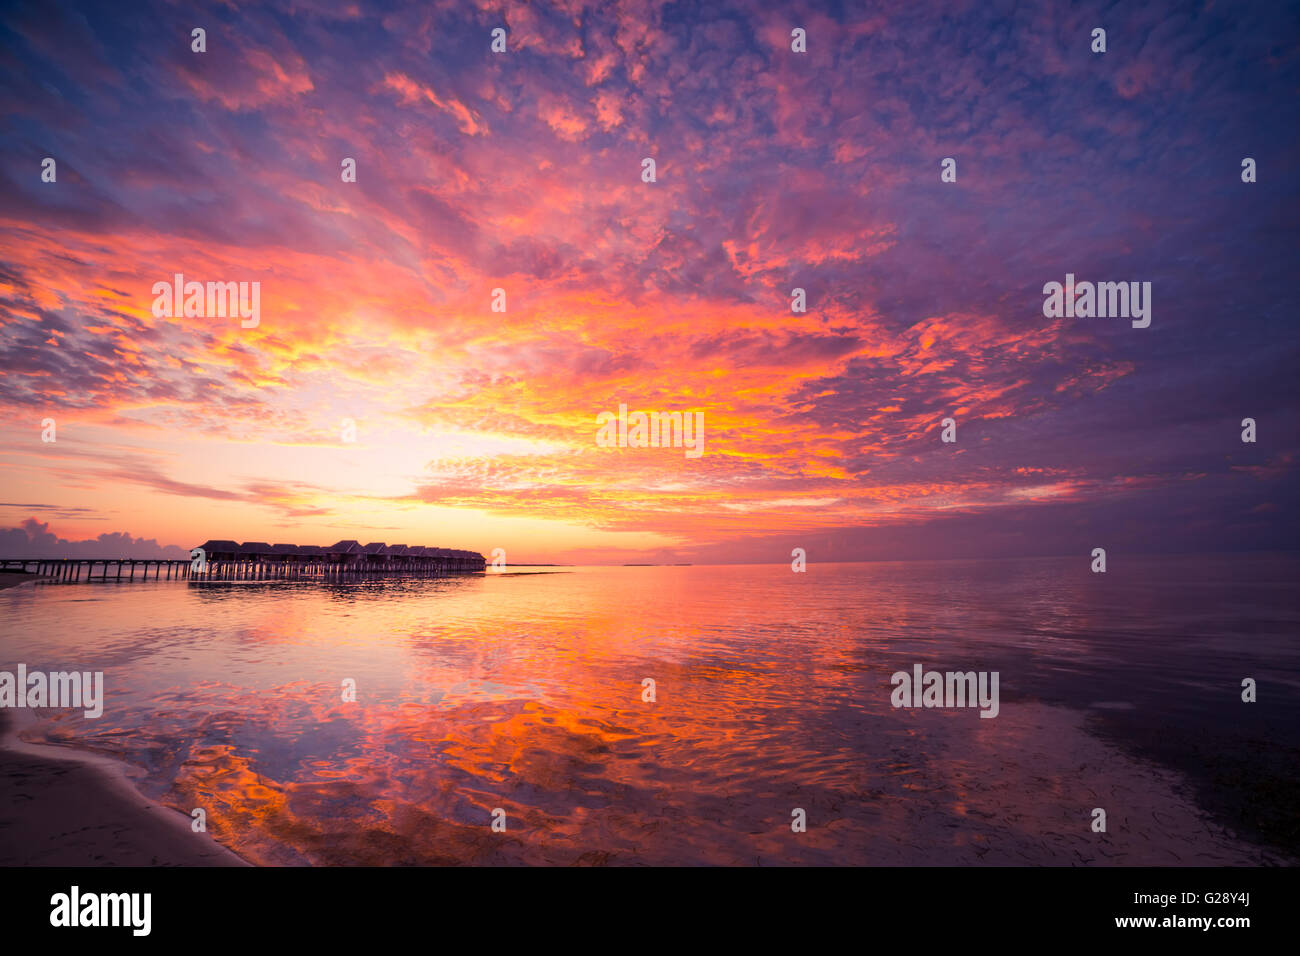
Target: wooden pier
<point x="256" y="561"/>
<point x="71" y="570"/>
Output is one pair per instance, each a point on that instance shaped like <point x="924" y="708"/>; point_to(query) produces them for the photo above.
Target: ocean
<point x="505" y="719"/>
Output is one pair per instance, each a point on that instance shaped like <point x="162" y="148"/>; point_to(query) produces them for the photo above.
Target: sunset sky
<point x="775" y="170"/>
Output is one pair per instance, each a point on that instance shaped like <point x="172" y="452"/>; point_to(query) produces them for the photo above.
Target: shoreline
<point x="60" y="807"/>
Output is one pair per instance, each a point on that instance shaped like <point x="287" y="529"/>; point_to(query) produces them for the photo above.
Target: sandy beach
<point x="59" y="808"/>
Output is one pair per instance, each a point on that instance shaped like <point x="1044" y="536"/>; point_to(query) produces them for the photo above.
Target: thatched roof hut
<point x="345" y="552"/>
<point x="219" y="550"/>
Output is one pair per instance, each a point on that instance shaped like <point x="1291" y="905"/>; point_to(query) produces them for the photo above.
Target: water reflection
<point x="523" y="692"/>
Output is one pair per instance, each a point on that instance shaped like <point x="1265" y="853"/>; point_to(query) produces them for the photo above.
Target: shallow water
<point x="524" y="692"/>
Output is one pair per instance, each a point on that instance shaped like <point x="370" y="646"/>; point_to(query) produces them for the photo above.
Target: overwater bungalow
<point x="220" y="550"/>
<point x="345" y="553"/>
<point x="256" y="560"/>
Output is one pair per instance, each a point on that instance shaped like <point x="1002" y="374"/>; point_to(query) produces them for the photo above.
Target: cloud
<point x="521" y="171"/>
<point x="33" y="539"/>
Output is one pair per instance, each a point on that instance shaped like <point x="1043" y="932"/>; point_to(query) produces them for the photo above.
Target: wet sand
<point x="59" y="808"/>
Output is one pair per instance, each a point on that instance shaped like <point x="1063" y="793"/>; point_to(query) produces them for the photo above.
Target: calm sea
<point x="522" y="693"/>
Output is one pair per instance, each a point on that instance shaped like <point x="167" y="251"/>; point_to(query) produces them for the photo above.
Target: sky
<point x="523" y="171"/>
